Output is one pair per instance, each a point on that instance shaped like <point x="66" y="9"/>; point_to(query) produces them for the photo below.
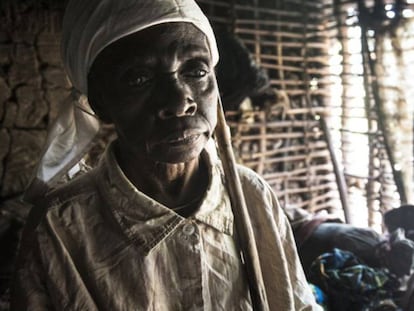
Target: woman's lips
<point x="182" y="138"/>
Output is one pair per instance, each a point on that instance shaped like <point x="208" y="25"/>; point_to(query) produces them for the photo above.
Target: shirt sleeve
<point x="283" y="275"/>
<point x="29" y="290"/>
<point x="304" y="299"/>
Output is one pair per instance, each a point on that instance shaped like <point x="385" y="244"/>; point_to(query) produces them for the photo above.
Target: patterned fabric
<point x="103" y="245"/>
<point x="349" y="283"/>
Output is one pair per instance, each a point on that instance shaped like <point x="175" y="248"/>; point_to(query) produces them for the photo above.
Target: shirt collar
<point x="147" y="222"/>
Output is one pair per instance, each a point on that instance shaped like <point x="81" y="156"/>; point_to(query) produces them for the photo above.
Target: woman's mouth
<point x="185" y="138"/>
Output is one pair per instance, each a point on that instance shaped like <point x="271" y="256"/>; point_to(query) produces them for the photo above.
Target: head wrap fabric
<point x="90" y="26"/>
<point x="70" y="136"/>
<point x="68" y="140"/>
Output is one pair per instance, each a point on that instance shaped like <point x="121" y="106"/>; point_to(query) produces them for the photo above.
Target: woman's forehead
<point x="162" y="38"/>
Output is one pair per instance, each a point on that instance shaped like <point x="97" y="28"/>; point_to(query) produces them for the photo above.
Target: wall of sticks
<point x="286" y="141"/>
<point x="339" y="136"/>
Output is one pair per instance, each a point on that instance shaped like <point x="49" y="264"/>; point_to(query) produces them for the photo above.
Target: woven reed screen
<point x="372" y="114"/>
<point x="354" y="121"/>
<point x="286" y="142"/>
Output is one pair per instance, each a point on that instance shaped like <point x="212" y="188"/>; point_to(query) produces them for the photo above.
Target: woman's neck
<point x="172" y="184"/>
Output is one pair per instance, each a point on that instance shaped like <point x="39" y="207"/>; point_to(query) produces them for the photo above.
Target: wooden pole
<point x="241" y="215"/>
<point x="339" y="176"/>
<point x="369" y="65"/>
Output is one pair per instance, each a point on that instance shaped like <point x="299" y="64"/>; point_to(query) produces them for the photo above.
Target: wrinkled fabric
<point x="90" y="26"/>
<point x="362" y="242"/>
<point x="349" y="283"/>
<point x="408" y="298"/>
<point x="101" y="244"/>
<point x="68" y="139"/>
<point x="396" y="252"/>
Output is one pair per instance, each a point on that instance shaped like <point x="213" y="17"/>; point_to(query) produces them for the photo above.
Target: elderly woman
<point x="151" y="228"/>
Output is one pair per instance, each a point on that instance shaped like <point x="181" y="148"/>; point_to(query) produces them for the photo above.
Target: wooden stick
<point x="241" y="215"/>
<point x="339" y="175"/>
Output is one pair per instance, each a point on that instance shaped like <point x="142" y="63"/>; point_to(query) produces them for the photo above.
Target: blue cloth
<point x="350" y="284"/>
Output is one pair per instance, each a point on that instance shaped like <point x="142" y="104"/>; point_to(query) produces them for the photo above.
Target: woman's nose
<point x="184" y="109"/>
<point x="177" y="101"/>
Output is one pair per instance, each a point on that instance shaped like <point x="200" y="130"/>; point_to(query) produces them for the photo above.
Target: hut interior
<point x="318" y="97"/>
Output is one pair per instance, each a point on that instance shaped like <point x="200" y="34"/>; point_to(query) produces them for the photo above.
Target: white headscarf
<point x="91" y="25"/>
<point x="88" y="27"/>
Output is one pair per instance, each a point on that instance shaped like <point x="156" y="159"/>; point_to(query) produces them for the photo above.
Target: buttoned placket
<point x="191" y="267"/>
<point x="137" y="215"/>
<point x="189" y="235"/>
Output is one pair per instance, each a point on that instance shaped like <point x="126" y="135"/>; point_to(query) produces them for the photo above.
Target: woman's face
<point x="158" y="88"/>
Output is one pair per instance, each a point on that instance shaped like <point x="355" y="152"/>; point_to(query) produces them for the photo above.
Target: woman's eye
<point x="197" y="73"/>
<point x="138" y="81"/>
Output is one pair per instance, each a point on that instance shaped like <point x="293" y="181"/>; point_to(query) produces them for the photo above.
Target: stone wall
<point x="32" y="83"/>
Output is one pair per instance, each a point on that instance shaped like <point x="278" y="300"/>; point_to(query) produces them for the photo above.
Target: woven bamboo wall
<point x="285" y="142"/>
<point x="372" y="44"/>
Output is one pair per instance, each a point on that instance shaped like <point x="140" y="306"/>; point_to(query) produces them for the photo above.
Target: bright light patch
<point x="390" y="14"/>
<point x="407" y="13"/>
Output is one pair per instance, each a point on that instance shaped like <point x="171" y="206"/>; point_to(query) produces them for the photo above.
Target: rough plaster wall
<point x="32" y="83"/>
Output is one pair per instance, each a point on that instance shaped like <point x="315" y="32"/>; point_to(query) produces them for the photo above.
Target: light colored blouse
<point x="101" y="244"/>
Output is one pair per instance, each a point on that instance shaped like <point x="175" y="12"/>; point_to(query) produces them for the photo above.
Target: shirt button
<point x="197" y="248"/>
<point x="188" y="229"/>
